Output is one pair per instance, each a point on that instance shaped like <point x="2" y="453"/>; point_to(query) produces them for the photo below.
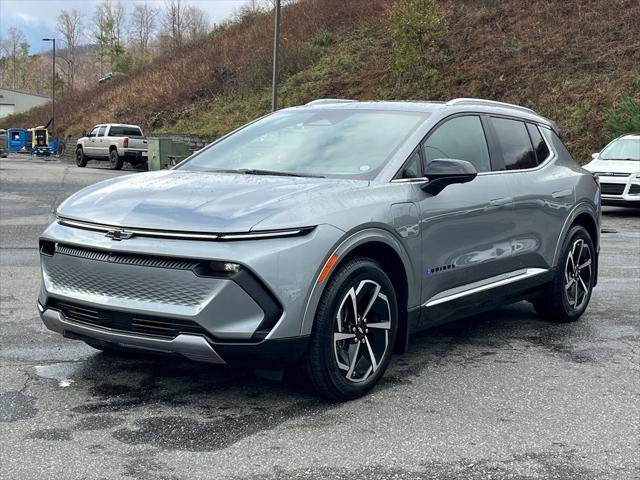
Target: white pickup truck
<point x="115" y="142"/>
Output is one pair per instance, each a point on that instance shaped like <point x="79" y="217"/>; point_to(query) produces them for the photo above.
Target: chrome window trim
<point x="290" y="232"/>
<point x="552" y="153"/>
<point x="410" y="180"/>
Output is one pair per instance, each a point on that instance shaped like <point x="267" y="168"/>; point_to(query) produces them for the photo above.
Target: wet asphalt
<point x="504" y="395"/>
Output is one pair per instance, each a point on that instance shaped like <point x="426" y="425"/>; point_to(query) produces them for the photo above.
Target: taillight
<point x="126" y="142"/>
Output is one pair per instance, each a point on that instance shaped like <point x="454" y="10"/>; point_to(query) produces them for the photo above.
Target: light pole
<point x="276" y="51"/>
<point x="53" y="85"/>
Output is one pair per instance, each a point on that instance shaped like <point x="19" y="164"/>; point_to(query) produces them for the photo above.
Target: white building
<point x="13" y="101"/>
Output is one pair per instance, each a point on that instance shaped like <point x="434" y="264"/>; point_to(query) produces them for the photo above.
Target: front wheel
<point x="115" y="160"/>
<point x="354" y="331"/>
<point x="567" y="297"/>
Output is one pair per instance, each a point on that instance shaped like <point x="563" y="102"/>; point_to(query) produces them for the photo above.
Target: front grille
<point x="634" y="189"/>
<point x="127" y="258"/>
<point x="126" y="322"/>
<point x="612" y="188"/>
<point x="95" y="275"/>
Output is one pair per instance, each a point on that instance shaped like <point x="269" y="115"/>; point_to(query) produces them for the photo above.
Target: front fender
<point x="342" y="248"/>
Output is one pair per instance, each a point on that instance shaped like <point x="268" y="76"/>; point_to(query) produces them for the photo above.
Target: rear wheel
<point x="354" y="331"/>
<point x="567" y="297"/>
<point x="81" y="159"/>
<point x="115" y="160"/>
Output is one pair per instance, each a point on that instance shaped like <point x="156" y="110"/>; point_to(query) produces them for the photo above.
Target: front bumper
<point x="101" y="290"/>
<point x="620" y="191"/>
<point x="267" y="354"/>
<point x="194" y="347"/>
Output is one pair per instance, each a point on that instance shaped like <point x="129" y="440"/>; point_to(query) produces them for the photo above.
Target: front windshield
<point x="623" y="149"/>
<point x="340" y="142"/>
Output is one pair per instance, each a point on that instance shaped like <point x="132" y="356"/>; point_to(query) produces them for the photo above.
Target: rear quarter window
<point x="539" y="145"/>
<point x="515" y="144"/>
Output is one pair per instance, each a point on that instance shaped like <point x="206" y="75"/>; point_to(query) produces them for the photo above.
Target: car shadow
<point x="179" y="404"/>
<point x="621" y="212"/>
<point x="220" y="398"/>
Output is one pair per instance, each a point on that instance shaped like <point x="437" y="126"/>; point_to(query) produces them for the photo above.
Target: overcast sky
<point x="37" y="18"/>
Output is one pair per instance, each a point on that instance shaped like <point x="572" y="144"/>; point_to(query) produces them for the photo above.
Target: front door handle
<point x="498" y="202"/>
<point x="562" y="193"/>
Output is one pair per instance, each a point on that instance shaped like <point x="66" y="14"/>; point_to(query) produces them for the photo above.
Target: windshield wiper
<point x="257" y="171"/>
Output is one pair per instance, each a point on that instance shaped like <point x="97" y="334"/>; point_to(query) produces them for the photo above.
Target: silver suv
<point x="323" y="235"/>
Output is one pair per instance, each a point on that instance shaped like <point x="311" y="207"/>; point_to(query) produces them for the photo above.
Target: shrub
<point x="624" y="117"/>
<point x="416" y="29"/>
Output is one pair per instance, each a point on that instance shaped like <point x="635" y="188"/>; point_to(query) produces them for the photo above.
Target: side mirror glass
<point x="442" y="172"/>
<point x="595" y="155"/>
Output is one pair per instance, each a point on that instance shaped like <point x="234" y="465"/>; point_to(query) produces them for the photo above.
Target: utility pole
<point x="53" y="85"/>
<point x="276" y="54"/>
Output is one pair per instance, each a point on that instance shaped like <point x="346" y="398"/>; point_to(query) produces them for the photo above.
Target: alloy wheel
<point x="578" y="274"/>
<point x="361" y="333"/>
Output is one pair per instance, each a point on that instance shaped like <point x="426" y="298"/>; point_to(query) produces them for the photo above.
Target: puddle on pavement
<point x="62" y="372"/>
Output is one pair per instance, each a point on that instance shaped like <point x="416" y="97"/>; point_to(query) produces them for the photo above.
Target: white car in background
<point x="618" y="169"/>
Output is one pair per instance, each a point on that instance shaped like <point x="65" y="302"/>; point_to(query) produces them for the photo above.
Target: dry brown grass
<point x="234" y="59"/>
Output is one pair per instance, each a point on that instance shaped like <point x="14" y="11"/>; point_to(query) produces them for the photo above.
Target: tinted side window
<point x="94" y="132"/>
<point x="461" y="138"/>
<point x="413" y="167"/>
<point x="515" y="144"/>
<point x="539" y="145"/>
<point x="125" y="132"/>
<point x="102" y="131"/>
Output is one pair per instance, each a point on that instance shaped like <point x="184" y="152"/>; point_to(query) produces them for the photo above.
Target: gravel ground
<point x="502" y="396"/>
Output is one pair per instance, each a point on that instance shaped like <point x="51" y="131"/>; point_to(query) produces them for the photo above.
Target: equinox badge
<point x="119" y="235"/>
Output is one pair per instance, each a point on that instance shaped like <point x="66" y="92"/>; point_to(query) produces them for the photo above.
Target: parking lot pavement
<point x="502" y="395"/>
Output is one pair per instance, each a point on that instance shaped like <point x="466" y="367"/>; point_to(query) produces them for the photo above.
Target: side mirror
<point x="595" y="155"/>
<point x="442" y="172"/>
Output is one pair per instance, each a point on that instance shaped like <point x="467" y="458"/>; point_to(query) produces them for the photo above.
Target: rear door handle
<point x="498" y="202"/>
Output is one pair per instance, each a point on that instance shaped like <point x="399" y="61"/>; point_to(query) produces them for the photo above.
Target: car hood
<point x="613" y="166"/>
<point x="201" y="201"/>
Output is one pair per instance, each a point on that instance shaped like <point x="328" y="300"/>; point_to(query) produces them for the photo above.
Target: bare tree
<point x="71" y="27"/>
<point x="14" y="46"/>
<point x="173" y="20"/>
<point x="143" y="25"/>
<point x="196" y="22"/>
<point x="182" y="22"/>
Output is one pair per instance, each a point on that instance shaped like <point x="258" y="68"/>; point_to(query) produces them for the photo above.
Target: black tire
<point x="321" y="359"/>
<point x="116" y="161"/>
<point x="557" y="302"/>
<point x="81" y="158"/>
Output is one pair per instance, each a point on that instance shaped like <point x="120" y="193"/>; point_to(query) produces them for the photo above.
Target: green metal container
<point x="159" y="152"/>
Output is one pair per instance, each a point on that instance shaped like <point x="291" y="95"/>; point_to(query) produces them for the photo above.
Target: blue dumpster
<point x="17" y="139"/>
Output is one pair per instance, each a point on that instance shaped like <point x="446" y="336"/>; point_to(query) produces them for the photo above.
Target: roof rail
<point x="480" y="101"/>
<point x="321" y="101"/>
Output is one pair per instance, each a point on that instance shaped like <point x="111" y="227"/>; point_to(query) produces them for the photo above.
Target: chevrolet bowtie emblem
<point x="119" y="235"/>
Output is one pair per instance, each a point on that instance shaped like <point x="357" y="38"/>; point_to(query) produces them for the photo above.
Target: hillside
<point x="575" y="61"/>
